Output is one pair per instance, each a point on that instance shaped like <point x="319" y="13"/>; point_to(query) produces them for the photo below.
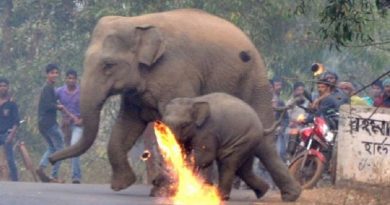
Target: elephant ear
<point x="151" y="45"/>
<point x="201" y="112"/>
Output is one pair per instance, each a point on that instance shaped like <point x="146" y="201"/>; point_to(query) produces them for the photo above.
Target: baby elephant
<point x="221" y="127"/>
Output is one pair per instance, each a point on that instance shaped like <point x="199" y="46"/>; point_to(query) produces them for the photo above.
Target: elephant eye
<point x="108" y="67"/>
<point x="184" y="125"/>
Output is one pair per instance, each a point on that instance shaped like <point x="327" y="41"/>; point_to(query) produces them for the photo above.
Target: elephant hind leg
<point x="245" y="172"/>
<point x="289" y="187"/>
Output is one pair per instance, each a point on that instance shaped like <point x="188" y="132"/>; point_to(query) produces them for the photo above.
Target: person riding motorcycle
<point x="338" y="94"/>
<point x="326" y="105"/>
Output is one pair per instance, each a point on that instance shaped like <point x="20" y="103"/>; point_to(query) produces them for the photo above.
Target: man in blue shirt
<point x="69" y="96"/>
<point x="340" y="97"/>
<point x="326" y="105"/>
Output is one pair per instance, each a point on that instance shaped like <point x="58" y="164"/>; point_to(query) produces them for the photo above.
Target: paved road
<point x="22" y="193"/>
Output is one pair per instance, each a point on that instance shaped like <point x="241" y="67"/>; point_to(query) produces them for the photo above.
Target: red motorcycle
<point x="314" y="152"/>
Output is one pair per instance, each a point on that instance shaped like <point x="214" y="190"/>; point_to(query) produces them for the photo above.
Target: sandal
<point x="56" y="180"/>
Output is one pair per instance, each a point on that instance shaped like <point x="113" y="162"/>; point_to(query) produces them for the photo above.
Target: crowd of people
<point x="65" y="99"/>
<point x="330" y="95"/>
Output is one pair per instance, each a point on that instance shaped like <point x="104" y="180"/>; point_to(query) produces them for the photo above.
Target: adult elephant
<point x="154" y="58"/>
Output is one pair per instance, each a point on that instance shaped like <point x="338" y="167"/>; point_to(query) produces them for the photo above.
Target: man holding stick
<point x="69" y="96"/>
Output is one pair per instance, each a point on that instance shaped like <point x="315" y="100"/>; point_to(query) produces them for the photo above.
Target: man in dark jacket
<point x="340" y="97"/>
<point x="9" y="121"/>
<point x="326" y="105"/>
<point x="48" y="126"/>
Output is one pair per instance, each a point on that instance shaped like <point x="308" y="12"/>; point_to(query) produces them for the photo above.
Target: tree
<point x="352" y="23"/>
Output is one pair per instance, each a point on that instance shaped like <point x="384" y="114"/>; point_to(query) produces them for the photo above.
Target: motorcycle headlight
<point x="329" y="136"/>
<point x="324" y="129"/>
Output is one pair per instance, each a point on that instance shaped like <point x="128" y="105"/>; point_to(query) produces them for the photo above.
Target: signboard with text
<point x="363" y="150"/>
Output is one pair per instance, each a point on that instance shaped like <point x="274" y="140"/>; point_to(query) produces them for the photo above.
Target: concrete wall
<point x="363" y="150"/>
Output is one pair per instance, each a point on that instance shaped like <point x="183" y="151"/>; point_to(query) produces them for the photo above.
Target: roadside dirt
<point x="340" y="195"/>
<point x="347" y="195"/>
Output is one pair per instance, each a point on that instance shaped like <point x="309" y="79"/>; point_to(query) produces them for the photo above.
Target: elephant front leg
<point x="205" y="153"/>
<point x="127" y="129"/>
<point x="226" y="171"/>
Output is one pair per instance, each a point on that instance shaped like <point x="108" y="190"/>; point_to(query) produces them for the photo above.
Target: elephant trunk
<point x="90" y="113"/>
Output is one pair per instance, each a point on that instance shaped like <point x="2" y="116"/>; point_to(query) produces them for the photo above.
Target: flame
<point x="301" y="118"/>
<point x="191" y="189"/>
<point x="321" y="69"/>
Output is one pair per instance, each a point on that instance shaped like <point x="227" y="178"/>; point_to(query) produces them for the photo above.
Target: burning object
<point x="190" y="188"/>
<point x="317" y="69"/>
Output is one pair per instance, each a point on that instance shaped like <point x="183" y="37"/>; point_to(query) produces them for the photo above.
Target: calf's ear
<point x="201" y="112"/>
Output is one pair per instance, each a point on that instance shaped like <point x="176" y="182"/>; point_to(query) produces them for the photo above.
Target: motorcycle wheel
<point x="311" y="173"/>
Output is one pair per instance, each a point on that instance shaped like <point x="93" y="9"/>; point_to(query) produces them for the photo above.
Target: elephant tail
<point x="283" y="110"/>
<point x="276" y="124"/>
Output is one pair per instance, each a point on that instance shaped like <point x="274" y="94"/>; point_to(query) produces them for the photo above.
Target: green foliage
<point x="347" y="23"/>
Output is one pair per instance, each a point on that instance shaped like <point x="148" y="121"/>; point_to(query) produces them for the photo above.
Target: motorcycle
<point x="311" y="148"/>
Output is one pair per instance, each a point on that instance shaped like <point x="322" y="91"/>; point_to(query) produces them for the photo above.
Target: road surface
<point x="23" y="193"/>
